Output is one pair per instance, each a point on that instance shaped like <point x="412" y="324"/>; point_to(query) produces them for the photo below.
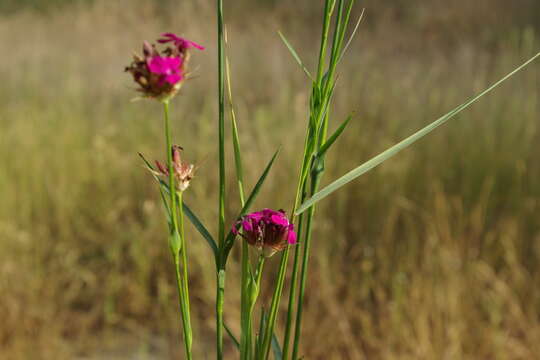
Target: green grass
<point x="440" y="243"/>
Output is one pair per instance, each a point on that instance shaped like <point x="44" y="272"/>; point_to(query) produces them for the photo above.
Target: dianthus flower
<point x="181" y="44"/>
<point x="268" y="230"/>
<point x="161" y="74"/>
<point x="182" y="171"/>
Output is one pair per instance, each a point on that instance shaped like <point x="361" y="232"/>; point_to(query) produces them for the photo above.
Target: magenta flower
<point x="181" y="43"/>
<point x="160" y="74"/>
<point x="268" y="230"/>
<point x="168" y="67"/>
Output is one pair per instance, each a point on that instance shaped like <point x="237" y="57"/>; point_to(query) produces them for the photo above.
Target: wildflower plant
<point x="160" y="75"/>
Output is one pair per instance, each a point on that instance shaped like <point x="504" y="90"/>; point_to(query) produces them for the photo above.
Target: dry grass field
<point x="433" y="255"/>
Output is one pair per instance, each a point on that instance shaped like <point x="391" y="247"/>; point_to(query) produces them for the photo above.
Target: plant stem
<point x="303" y="273"/>
<point x="183" y="250"/>
<point x="220" y="261"/>
<point x="276" y="297"/>
<point x="173" y="237"/>
<point x="219" y="311"/>
<point x="292" y="291"/>
<point x="244" y="309"/>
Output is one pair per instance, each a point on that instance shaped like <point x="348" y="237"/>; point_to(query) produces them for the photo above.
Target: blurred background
<point x="433" y="255"/>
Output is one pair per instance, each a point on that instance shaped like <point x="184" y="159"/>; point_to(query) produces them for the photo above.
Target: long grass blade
<point x="353" y="34"/>
<point x="201" y="228"/>
<point x="231" y="335"/>
<point x="235" y="137"/>
<point x="385" y="155"/>
<point x="295" y="55"/>
<point x="333" y="137"/>
<point x="252" y="196"/>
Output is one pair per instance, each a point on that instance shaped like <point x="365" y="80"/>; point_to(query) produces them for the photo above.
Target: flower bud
<point x="268" y="230"/>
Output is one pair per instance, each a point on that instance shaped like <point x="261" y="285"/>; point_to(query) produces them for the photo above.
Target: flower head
<point x="268" y="230"/>
<point x="161" y="74"/>
<point x="167" y="67"/>
<point x="182" y="171"/>
<point x="181" y="44"/>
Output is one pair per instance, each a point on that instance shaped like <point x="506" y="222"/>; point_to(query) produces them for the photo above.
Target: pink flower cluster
<point x="168" y="67"/>
<point x="267" y="229"/>
<point x="160" y="74"/>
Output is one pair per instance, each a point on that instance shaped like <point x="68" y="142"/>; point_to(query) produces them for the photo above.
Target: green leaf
<point x="355" y="29"/>
<point x="236" y="140"/>
<point x="385" y="155"/>
<point x="201" y="228"/>
<point x="333" y="137"/>
<point x="164" y="189"/>
<point x="294" y="54"/>
<point x="229" y="241"/>
<point x="231" y="335"/>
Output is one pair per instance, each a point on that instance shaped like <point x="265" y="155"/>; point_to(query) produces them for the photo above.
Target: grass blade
<point x="231" y="335"/>
<point x="353" y="34"/>
<point x="230" y="237"/>
<point x="333" y="137"/>
<point x="236" y="140"/>
<point x="201" y="228"/>
<point x="385" y="155"/>
<point x="295" y="54"/>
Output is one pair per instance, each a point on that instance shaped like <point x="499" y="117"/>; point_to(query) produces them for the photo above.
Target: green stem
<point x="303" y="273"/>
<point x="219" y="311"/>
<point x="293" y="282"/>
<point x="276" y="297"/>
<point x="175" y="234"/>
<point x="244" y="306"/>
<point x="328" y="7"/>
<point x="220" y="262"/>
<point x="183" y="249"/>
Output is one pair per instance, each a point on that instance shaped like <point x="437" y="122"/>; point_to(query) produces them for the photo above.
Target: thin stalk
<point x="174" y="233"/>
<point x="219" y="311"/>
<point x="292" y="291"/>
<point x="220" y="261"/>
<point x="328" y="9"/>
<point x="306" y="164"/>
<point x="185" y="279"/>
<point x="244" y="308"/>
<point x="303" y="273"/>
<point x="276" y="297"/>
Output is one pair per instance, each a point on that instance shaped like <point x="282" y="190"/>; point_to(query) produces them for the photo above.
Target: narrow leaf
<point x="352" y="35"/>
<point x="295" y="55"/>
<point x="333" y="137"/>
<point x="370" y="164"/>
<point x="236" y="140"/>
<point x="231" y="335"/>
<point x="201" y="228"/>
<point x="230" y="237"/>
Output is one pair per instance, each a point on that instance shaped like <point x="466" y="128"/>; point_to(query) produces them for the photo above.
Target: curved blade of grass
<point x="333" y="137"/>
<point x="252" y="196"/>
<point x="164" y="189"/>
<point x="201" y="228"/>
<point x="236" y="140"/>
<point x="231" y="335"/>
<point x="295" y="55"/>
<point x="373" y="162"/>
<point x="276" y="348"/>
<point x="353" y="34"/>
